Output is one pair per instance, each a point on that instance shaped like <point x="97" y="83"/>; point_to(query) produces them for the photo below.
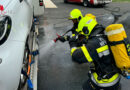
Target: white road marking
<point x="49" y="4"/>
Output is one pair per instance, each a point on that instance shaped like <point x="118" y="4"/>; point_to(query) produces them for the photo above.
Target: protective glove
<point x="73" y="41"/>
<point x="64" y="38"/>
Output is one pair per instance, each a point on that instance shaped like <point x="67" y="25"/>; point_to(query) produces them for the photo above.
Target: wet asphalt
<point x="56" y="70"/>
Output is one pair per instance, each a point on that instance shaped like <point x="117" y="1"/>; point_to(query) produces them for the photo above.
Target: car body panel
<point x="21" y="17"/>
<point x="12" y="50"/>
<point x="38" y="9"/>
<point x="10" y="68"/>
<point x="98" y="2"/>
<point x="5" y="2"/>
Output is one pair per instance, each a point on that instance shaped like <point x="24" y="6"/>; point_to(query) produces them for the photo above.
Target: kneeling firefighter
<point x="75" y="16"/>
<point x="103" y="74"/>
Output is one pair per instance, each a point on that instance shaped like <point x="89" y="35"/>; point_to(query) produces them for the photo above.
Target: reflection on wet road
<point x="56" y="69"/>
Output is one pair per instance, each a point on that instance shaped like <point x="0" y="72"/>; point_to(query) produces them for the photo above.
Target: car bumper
<point x="99" y="2"/>
<point x="104" y="2"/>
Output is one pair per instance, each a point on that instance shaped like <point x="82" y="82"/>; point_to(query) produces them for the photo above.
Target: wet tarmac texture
<point x="57" y="71"/>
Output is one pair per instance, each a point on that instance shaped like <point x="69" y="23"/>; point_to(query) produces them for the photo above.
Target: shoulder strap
<point x="125" y="41"/>
<point x="115" y="42"/>
<point x="127" y="44"/>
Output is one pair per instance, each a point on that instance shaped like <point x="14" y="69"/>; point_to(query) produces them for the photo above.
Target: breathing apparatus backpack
<point x="120" y="47"/>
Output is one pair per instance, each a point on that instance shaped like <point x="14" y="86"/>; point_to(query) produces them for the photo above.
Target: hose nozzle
<point x="58" y="36"/>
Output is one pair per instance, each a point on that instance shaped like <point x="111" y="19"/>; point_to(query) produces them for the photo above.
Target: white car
<point x="16" y="17"/>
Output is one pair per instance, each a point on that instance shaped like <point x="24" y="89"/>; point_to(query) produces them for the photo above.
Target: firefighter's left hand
<point x="73" y="41"/>
<point x="83" y="41"/>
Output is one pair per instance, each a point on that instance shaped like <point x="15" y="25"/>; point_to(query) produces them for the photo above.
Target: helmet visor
<point x="71" y="18"/>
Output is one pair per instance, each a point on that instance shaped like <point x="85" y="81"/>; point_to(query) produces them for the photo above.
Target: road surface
<point x="56" y="69"/>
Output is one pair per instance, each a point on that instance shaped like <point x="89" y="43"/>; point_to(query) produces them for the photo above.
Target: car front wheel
<point x="23" y="78"/>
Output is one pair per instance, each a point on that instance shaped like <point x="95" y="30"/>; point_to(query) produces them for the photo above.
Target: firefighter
<point x="75" y="16"/>
<point x="103" y="74"/>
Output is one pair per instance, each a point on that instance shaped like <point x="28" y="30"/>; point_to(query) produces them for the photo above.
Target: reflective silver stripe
<point x="115" y="31"/>
<point x="73" y="48"/>
<point x="104" y="53"/>
<point x="105" y="84"/>
<point x="89" y="21"/>
<point x="74" y="36"/>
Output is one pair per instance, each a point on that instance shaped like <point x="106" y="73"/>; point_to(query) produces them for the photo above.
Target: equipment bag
<point x="119" y="46"/>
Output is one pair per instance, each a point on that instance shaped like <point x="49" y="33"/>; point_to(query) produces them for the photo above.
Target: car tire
<point x="85" y="3"/>
<point x="65" y="1"/>
<point x="23" y="79"/>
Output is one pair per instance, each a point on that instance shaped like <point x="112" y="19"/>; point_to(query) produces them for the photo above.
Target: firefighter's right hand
<point x="64" y="38"/>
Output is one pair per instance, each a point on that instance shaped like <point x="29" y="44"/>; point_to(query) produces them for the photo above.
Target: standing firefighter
<point x="104" y="74"/>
